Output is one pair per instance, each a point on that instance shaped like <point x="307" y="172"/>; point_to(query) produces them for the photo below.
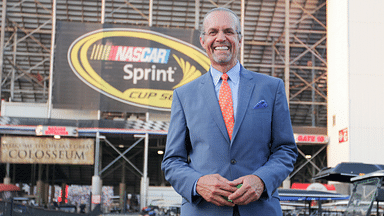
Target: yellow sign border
<point x="77" y="57"/>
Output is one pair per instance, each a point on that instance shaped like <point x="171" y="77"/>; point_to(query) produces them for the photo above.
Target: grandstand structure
<point x="282" y="38"/>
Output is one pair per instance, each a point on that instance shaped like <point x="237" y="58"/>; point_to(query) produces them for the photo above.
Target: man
<point x="229" y="132"/>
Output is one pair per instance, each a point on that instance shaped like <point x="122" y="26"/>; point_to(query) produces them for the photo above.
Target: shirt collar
<point x="233" y="73"/>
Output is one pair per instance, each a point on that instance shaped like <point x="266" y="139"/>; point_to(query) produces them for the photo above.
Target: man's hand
<point x="250" y="191"/>
<point x="213" y="188"/>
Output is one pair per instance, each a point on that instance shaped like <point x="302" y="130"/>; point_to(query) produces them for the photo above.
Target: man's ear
<point x="202" y="42"/>
<point x="240" y="39"/>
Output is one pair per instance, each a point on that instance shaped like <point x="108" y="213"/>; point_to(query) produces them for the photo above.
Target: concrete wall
<point x="355" y="80"/>
<point x="338" y="81"/>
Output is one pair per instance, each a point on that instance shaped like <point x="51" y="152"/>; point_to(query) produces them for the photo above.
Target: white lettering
<point x="138" y="74"/>
<point x="128" y="54"/>
<point x="162" y="56"/>
<point x="153" y="56"/>
<point x="129" y="72"/>
<point x="145" y="55"/>
<point x="120" y="54"/>
<point x="137" y="54"/>
<point x="153" y="74"/>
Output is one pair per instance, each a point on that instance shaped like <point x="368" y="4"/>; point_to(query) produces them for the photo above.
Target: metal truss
<point x="281" y="38"/>
<point x="27" y="38"/>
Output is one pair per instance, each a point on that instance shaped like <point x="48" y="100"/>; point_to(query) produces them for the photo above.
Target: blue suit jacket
<point x="198" y="143"/>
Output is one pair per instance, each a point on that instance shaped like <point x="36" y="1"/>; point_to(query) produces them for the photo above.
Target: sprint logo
<point x="139" y="75"/>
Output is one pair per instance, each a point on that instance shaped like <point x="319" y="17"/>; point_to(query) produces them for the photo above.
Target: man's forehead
<point x="226" y="19"/>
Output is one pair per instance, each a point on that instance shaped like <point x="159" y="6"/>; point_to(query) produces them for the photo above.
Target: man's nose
<point x="221" y="36"/>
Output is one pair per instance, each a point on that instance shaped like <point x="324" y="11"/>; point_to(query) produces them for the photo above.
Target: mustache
<point x="221" y="43"/>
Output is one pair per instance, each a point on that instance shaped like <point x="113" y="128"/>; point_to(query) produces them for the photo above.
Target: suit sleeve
<point x="283" y="150"/>
<point x="175" y="163"/>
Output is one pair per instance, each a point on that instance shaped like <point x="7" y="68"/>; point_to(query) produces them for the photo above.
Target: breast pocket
<point x="262" y="113"/>
<point x="258" y="122"/>
<point x="260" y="110"/>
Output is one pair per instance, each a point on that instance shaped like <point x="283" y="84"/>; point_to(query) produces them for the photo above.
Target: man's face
<point x="221" y="40"/>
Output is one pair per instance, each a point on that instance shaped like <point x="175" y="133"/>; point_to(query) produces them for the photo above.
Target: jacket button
<point x="233" y="161"/>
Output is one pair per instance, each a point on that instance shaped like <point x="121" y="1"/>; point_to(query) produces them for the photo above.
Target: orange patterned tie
<point x="226" y="104"/>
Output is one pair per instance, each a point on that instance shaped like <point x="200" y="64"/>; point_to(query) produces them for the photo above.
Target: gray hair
<point x="237" y="20"/>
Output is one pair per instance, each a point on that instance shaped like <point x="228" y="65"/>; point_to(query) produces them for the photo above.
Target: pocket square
<point x="261" y="104"/>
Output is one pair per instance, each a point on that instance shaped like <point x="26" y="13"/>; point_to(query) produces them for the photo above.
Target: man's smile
<point x="221" y="48"/>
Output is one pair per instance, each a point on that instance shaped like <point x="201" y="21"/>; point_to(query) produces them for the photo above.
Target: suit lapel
<point x="245" y="92"/>
<point x="213" y="106"/>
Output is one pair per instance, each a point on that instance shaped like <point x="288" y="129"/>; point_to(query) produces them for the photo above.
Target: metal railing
<point x="12" y="208"/>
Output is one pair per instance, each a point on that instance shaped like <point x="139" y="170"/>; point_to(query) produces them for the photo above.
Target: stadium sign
<point x="137" y="67"/>
<point x="311" y="139"/>
<point x="47" y="150"/>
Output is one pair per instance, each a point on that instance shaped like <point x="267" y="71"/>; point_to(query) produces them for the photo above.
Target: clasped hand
<point x="218" y="190"/>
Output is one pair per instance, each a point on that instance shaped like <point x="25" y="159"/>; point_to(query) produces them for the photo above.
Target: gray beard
<point x="221" y="59"/>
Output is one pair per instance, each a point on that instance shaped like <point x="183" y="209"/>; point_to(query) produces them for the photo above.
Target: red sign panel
<point x="56" y="130"/>
<point x="96" y="199"/>
<point x="311" y="138"/>
<point x="343" y="135"/>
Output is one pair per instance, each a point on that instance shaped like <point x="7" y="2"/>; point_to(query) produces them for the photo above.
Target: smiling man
<point x="230" y="142"/>
<point x="221" y="39"/>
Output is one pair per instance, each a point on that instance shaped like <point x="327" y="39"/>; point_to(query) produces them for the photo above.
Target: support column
<point x="313" y="106"/>
<point x="13" y="69"/>
<point x="287" y="63"/>
<point x="102" y="11"/>
<point x="63" y="192"/>
<point x="7" y="179"/>
<point x="46" y="187"/>
<point x="287" y="183"/>
<point x="97" y="184"/>
<point x="150" y="18"/>
<point x="14" y="174"/>
<point x="122" y="186"/>
<point x="144" y="180"/>
<point x="197" y="14"/>
<point x="33" y="181"/>
<point x="2" y="35"/>
<point x="52" y="185"/>
<point x="40" y="186"/>
<point x="53" y="35"/>
<point x="96" y="180"/>
<point x="122" y="194"/>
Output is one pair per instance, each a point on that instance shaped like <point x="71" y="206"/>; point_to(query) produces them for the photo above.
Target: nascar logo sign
<point x="135" y="66"/>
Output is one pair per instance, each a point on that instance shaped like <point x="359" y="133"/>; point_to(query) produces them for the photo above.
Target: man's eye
<point x="229" y="32"/>
<point x="211" y="33"/>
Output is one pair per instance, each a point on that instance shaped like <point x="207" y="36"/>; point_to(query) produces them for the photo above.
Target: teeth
<point x="221" y="48"/>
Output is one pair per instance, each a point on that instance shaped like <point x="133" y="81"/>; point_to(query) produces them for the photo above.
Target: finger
<point x="244" y="195"/>
<point x="222" y="201"/>
<point x="228" y="189"/>
<point x="237" y="194"/>
<point x="237" y="181"/>
<point x="223" y="180"/>
<point x="226" y="202"/>
<point x="247" y="198"/>
<point x="213" y="188"/>
<point x="225" y="185"/>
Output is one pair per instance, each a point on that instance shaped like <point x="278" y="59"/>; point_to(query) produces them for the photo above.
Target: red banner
<point x="343" y="135"/>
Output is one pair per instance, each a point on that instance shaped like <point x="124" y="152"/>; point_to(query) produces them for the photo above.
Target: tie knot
<point x="224" y="76"/>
